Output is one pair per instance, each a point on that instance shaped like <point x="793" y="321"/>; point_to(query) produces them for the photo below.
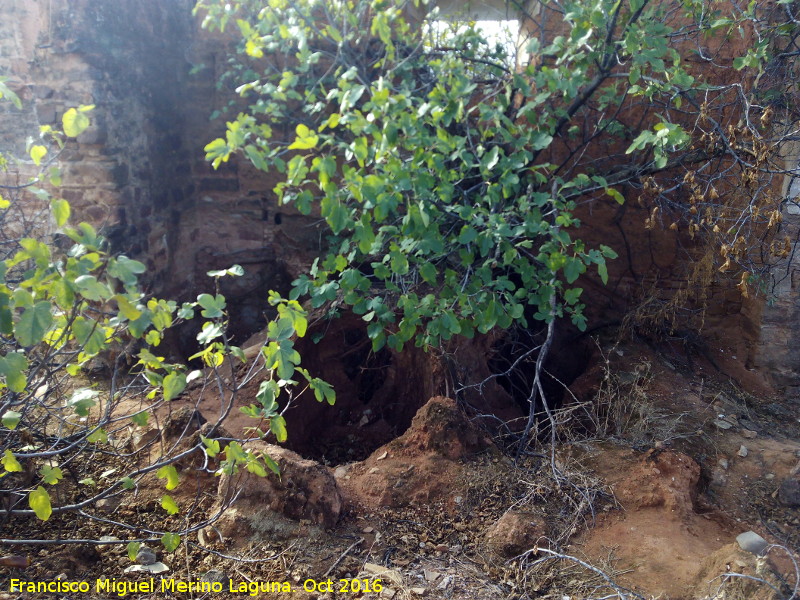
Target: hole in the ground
<point x="377" y="393"/>
<point x="514" y="356"/>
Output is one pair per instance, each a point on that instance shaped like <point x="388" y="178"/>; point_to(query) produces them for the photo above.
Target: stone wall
<point x="780" y="326"/>
<point x="139" y="171"/>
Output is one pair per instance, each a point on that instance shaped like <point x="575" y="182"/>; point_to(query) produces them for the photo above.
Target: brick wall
<point x="139" y="171"/>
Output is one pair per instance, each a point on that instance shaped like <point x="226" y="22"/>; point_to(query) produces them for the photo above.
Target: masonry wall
<point x="139" y="171"/>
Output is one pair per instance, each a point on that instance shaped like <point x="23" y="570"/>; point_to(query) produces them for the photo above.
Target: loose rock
<point x="146" y="556"/>
<point x="383" y="573"/>
<point x="108" y="504"/>
<point x="514" y="533"/>
<point x="430" y="575"/>
<point x="750" y="541"/>
<point x="789" y="492"/>
<point x="215" y="576"/>
<point x="155" y="568"/>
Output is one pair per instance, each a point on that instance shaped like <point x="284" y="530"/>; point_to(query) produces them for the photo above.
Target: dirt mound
<point x="440" y="428"/>
<point x="731" y="572"/>
<point x="305" y="490"/>
<point x="419" y="466"/>
<point x="658" y="536"/>
<point x="660" y="479"/>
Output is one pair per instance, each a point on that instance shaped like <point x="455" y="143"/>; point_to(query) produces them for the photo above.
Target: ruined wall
<point x="139" y="171"/>
<point x="778" y="354"/>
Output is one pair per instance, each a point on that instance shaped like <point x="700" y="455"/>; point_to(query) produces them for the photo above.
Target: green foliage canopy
<point x="449" y="172"/>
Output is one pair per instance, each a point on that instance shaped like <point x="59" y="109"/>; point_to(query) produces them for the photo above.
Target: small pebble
<point x="430" y="575"/>
<point x="215" y="576"/>
<point x="146" y="556"/>
<point x="742" y="451"/>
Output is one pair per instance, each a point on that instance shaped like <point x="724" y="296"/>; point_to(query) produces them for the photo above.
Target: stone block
<point x="217" y="184"/>
<point x="93" y="136"/>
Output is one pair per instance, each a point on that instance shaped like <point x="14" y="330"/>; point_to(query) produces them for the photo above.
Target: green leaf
<point x="91" y="289"/>
<point x="139" y="326"/>
<point x="608" y="252"/>
<point x="33" y="324"/>
<point x="360" y="149"/>
<point x="55" y="177"/>
<point x="171" y="541"/>
<point x="209" y="333"/>
<point x="133" y="549"/>
<point x="153" y="338"/>
<point x="174" y="384"/>
<point x="11" y="419"/>
<point x="256" y="468"/>
<point x="128" y="483"/>
<point x="170" y="473"/>
<point x="235" y="453"/>
<point x="60" y="210"/>
<point x="128" y="310"/>
<point x="186" y="311"/>
<point x="267" y="392"/>
<point x="620" y="199"/>
<point x="39" y="501"/>
<point x="37" y="154"/>
<point x="277" y="425"/>
<point x="89" y="334"/>
<point x="323" y="391"/>
<point x="126" y="270"/>
<point x="5" y="92"/>
<point x="82" y="400"/>
<point x="306" y="139"/>
<point x="282" y="329"/>
<point x="99" y="435"/>
<point x="140" y="419"/>
<point x="282" y="358"/>
<point x="235" y="271"/>
<point x="169" y="505"/>
<point x="271" y="464"/>
<point x="602" y="270"/>
<point x="14" y="367"/>
<point x="573" y="269"/>
<point x="428" y="272"/>
<point x="74" y="122"/>
<point x="212" y="446"/>
<point x="10" y="462"/>
<point x="212" y="305"/>
<point x="51" y="475"/>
